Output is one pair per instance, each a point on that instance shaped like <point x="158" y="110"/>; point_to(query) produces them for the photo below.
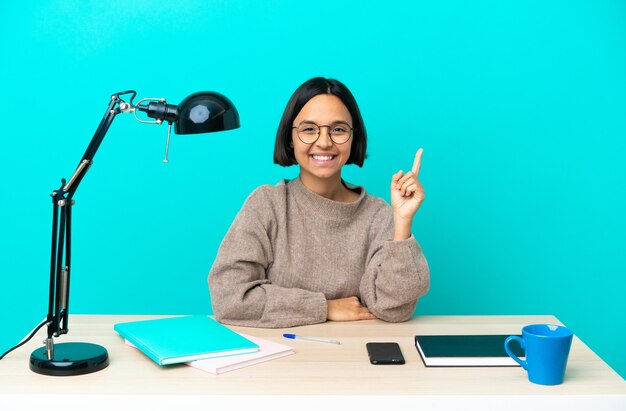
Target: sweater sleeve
<point x="396" y="273"/>
<point x="241" y="293"/>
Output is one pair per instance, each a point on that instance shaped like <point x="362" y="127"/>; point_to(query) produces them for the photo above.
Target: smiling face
<point x="321" y="161"/>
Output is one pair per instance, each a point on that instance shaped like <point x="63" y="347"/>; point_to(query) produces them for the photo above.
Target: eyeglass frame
<point x="319" y="132"/>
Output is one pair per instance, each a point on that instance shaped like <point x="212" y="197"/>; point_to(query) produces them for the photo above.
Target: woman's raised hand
<point x="407" y="192"/>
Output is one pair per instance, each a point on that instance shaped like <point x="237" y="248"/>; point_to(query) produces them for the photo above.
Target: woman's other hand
<point x="348" y="309"/>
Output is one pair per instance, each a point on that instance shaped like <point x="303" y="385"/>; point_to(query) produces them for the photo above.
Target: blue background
<point x="520" y="108"/>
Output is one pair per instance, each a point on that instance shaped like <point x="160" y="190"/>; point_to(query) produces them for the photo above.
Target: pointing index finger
<point x="417" y="163"/>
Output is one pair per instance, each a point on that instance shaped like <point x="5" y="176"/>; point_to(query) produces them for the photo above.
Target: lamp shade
<point x="206" y="112"/>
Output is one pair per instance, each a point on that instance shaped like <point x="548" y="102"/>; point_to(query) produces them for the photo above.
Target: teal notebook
<point x="182" y="339"/>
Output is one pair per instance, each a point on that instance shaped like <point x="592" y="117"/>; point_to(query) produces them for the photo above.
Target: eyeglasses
<point x="309" y="132"/>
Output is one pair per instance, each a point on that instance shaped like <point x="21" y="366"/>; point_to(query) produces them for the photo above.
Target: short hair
<point x="283" y="151"/>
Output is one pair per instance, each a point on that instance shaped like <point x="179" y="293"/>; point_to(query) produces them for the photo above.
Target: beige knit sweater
<point x="289" y="250"/>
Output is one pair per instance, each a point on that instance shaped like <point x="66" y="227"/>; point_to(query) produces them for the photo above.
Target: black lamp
<point x="202" y="112"/>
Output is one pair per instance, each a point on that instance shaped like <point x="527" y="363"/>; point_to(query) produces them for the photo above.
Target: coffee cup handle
<point x="523" y="363"/>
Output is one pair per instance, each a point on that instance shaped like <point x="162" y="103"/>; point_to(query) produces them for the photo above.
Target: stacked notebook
<point x="268" y="350"/>
<point x="199" y="341"/>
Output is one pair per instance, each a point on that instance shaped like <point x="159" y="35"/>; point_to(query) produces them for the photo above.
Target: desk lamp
<point x="202" y="112"/>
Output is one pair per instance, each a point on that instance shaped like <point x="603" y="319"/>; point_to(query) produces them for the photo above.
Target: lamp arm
<point x="60" y="256"/>
<point x="116" y="106"/>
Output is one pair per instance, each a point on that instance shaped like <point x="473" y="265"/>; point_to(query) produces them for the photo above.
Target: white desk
<point x="317" y="373"/>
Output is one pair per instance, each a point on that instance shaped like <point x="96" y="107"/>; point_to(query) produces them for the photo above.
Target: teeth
<point x="323" y="158"/>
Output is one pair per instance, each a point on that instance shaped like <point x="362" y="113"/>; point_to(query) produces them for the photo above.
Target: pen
<point x="317" y="339"/>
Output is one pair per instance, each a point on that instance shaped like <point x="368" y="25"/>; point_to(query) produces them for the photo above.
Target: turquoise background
<point x="520" y="108"/>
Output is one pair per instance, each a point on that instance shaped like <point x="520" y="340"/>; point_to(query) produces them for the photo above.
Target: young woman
<point x="317" y="248"/>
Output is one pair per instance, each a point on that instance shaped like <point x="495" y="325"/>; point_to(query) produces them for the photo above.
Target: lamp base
<point x="72" y="358"/>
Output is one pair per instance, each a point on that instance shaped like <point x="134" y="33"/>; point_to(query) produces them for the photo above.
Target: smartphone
<point x="384" y="353"/>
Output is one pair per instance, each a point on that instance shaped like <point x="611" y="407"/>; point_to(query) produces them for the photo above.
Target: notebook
<point x="182" y="339"/>
<point x="466" y="351"/>
<point x="268" y="350"/>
